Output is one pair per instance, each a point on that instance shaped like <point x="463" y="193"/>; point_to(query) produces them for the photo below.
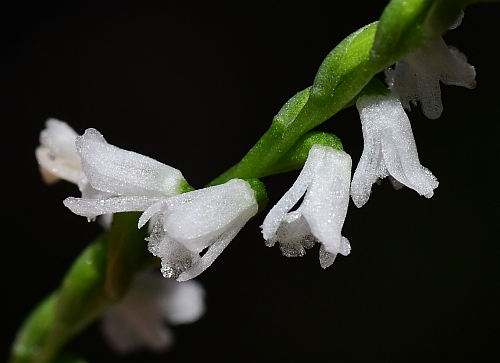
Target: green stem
<point x="34" y="331"/>
<point x="350" y="67"/>
<point x="99" y="277"/>
<point x="101" y="274"/>
<point x="284" y="134"/>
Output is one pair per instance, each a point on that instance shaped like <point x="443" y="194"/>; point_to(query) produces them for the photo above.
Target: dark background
<point x="194" y="85"/>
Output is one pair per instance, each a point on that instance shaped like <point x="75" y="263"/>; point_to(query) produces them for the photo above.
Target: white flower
<point x="389" y="150"/>
<point x="325" y="182"/>
<point x="57" y="154"/>
<point x="119" y="180"/>
<point x="416" y="77"/>
<point x="138" y="320"/>
<point x="190" y="223"/>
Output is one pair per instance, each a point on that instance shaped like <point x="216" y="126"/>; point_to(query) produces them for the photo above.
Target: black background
<point x="194" y="85"/>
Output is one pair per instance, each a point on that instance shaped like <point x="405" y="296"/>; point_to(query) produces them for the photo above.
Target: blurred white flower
<point x="389" y="150"/>
<point x="58" y="159"/>
<point x="325" y="182"/>
<point x="203" y="222"/>
<point x="119" y="180"/>
<point x="57" y="154"/>
<point x="139" y="319"/>
<point x="416" y="77"/>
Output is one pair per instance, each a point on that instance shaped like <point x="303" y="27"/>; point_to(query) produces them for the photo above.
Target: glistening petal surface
<point x="114" y="170"/>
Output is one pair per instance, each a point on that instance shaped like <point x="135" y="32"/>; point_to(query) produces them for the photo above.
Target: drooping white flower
<point x="416" y="77"/>
<point x="319" y="219"/>
<point x="204" y="220"/>
<point x="57" y="155"/>
<point x="139" y="319"/>
<point x="119" y="180"/>
<point x="389" y="150"/>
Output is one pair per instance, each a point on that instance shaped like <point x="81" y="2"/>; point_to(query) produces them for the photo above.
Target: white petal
<point x="154" y="209"/>
<point x="60" y="138"/>
<point x="345" y="248"/>
<point x="184" y="302"/>
<point x="416" y="77"/>
<point x="326" y="259"/>
<point x="277" y="214"/>
<point x="211" y="211"/>
<point x="325" y="204"/>
<point x="126" y="332"/>
<point x="218" y="245"/>
<point x="92" y="208"/>
<point x="387" y="131"/>
<point x="369" y="165"/>
<point x="457" y="21"/>
<point x="123" y="172"/>
<point x="137" y="321"/>
<point x="54" y="167"/>
<point x="57" y="154"/>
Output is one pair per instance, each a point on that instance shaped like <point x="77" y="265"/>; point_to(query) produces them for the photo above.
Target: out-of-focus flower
<point x="58" y="159"/>
<point x="119" y="180"/>
<point x="389" y="150"/>
<point x="203" y="222"/>
<point x="57" y="154"/>
<point x="416" y="77"/>
<point x="139" y="319"/>
<point x="325" y="182"/>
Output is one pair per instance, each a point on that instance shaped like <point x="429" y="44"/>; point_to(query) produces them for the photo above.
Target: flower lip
<point x="208" y="219"/>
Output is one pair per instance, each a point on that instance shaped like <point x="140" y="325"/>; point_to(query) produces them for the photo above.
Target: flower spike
<point x="190" y="223"/>
<point x="389" y="150"/>
<point x="325" y="182"/>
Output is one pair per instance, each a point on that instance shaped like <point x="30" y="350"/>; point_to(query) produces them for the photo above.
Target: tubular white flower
<point x="416" y="77"/>
<point x="325" y="182"/>
<point x="120" y="180"/>
<point x="192" y="222"/>
<point x="57" y="154"/>
<point x="138" y="320"/>
<point x="389" y="150"/>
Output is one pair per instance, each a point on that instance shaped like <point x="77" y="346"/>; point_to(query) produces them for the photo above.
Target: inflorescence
<point x="190" y="228"/>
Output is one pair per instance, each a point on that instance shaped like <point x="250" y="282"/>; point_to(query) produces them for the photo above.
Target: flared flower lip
<point x="204" y="220"/>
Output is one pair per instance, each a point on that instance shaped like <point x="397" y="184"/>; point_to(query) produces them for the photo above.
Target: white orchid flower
<point x="119" y="180"/>
<point x="325" y="182"/>
<point x="190" y="223"/>
<point x="139" y="319"/>
<point x="57" y="155"/>
<point x="389" y="150"/>
<point x="416" y="77"/>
